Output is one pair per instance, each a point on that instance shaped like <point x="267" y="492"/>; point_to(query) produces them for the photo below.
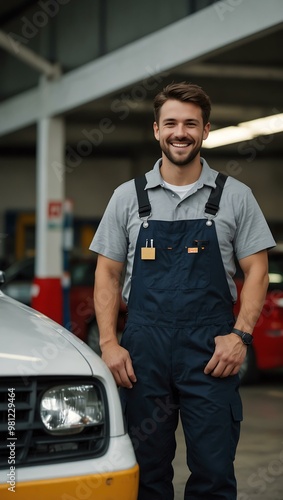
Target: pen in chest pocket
<point x="148" y="253"/>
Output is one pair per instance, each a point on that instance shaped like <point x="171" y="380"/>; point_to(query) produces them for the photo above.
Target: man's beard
<point x="181" y="161"/>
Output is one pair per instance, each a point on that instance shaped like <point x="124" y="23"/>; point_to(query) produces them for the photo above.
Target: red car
<point x="266" y="352"/>
<point x="83" y="321"/>
<point x="18" y="282"/>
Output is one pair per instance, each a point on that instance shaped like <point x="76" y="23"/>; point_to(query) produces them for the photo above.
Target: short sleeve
<point x="111" y="238"/>
<point x="252" y="233"/>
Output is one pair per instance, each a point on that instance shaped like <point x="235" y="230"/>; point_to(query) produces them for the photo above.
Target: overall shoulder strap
<point x="142" y="194"/>
<point x="211" y="207"/>
<point x="212" y="204"/>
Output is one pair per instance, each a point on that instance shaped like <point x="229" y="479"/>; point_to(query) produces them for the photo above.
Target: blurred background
<point x="77" y="82"/>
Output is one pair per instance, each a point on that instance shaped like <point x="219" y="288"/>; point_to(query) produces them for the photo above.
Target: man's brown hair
<point x="184" y="92"/>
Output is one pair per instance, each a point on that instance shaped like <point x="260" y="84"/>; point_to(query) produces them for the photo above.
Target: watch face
<point x="247" y="338"/>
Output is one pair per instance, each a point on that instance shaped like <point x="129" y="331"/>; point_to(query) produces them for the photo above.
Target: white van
<point x="62" y="434"/>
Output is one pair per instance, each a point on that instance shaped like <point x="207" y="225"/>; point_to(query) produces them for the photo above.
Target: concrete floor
<point x="259" y="461"/>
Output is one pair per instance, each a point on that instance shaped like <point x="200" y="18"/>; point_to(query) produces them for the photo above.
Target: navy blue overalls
<point x="179" y="301"/>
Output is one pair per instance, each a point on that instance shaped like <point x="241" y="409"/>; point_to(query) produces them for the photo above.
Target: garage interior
<point x="92" y="68"/>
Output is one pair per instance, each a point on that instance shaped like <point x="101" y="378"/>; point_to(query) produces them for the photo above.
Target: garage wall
<point x="264" y="178"/>
<point x="91" y="183"/>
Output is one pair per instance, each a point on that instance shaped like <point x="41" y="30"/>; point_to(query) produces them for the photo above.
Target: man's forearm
<point x="107" y="301"/>
<point x="252" y="299"/>
<point x="230" y="351"/>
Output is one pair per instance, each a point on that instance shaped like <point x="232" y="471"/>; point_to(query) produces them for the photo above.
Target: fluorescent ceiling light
<point x="275" y="277"/>
<point x="265" y="126"/>
<point x="245" y="131"/>
<point x="227" y="135"/>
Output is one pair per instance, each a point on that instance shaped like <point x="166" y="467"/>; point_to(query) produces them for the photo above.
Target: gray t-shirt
<point x="240" y="225"/>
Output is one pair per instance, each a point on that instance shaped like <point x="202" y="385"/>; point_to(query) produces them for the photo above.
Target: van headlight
<point x="69" y="409"/>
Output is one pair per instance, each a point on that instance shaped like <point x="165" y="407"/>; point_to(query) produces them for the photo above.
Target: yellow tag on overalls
<point x="193" y="250"/>
<point x="147" y="253"/>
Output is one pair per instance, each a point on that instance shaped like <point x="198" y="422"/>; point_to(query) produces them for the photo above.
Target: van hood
<point x="32" y="344"/>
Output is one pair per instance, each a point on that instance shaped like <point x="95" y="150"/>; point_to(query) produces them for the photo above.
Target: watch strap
<point x="239" y="332"/>
<point x="246" y="337"/>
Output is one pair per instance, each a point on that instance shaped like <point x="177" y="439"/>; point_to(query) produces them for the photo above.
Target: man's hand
<point x="228" y="356"/>
<point x="119" y="362"/>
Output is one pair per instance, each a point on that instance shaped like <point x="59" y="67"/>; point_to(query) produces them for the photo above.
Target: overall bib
<point x="179" y="301"/>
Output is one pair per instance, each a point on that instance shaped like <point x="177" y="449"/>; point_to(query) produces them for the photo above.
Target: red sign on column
<point x="54" y="209"/>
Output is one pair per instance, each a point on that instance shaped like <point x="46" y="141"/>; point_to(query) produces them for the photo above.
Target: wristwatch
<point x="247" y="338"/>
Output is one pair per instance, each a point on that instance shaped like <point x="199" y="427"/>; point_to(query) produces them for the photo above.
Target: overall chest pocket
<point x="179" y="264"/>
<point x="195" y="266"/>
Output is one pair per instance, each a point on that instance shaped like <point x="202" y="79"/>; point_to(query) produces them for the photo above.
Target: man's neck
<point x="180" y="175"/>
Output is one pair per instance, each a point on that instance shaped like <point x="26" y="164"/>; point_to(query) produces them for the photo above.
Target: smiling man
<point x="180" y="131"/>
<point x="176" y="231"/>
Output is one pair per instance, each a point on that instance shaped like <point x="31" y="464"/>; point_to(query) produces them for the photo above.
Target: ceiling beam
<point x="28" y="56"/>
<point x="154" y="55"/>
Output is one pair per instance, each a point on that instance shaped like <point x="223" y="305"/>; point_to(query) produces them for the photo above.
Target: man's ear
<point x="156" y="131"/>
<point x="206" y="131"/>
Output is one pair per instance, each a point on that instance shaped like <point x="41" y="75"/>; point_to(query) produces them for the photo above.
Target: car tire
<point x="93" y="338"/>
<point x="249" y="373"/>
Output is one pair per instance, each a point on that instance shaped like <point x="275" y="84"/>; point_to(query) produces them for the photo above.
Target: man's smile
<point x="180" y="144"/>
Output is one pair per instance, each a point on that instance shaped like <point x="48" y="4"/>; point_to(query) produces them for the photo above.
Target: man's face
<point x="180" y="131"/>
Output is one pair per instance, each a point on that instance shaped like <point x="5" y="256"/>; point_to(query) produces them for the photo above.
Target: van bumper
<point x="105" y="486"/>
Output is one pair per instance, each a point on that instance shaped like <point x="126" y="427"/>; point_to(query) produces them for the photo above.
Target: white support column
<point x="47" y="289"/>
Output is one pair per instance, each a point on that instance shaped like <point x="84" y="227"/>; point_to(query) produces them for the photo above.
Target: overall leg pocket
<point x="236" y="419"/>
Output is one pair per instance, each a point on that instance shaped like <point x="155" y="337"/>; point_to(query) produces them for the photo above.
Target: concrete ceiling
<point x="244" y="81"/>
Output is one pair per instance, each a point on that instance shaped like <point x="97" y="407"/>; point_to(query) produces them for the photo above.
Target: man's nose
<point x="180" y="130"/>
